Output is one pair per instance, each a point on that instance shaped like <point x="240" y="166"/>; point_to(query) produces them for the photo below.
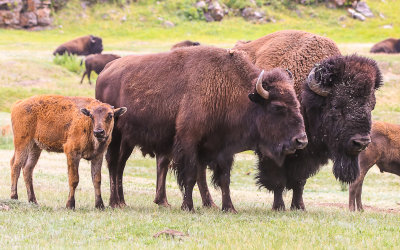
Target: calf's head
<point x="103" y="119"/>
<point x="339" y="98"/>
<point x="277" y="114"/>
<point x="95" y="45"/>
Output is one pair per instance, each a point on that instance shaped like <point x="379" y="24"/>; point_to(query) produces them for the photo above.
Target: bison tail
<point x="81" y="62"/>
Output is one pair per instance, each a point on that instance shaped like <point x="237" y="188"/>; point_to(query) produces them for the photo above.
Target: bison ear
<point x="85" y="111"/>
<point x="256" y="98"/>
<point x="119" y="111"/>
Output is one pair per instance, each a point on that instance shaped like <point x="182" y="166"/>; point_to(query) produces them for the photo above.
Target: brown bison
<point x="78" y="126"/>
<point x="389" y="46"/>
<point x="81" y="46"/>
<point x="186" y="43"/>
<point x="196" y="106"/>
<point x="384" y="151"/>
<point x="337" y="95"/>
<point x="96" y="63"/>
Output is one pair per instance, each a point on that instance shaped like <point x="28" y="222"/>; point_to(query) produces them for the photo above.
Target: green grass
<point x="71" y="62"/>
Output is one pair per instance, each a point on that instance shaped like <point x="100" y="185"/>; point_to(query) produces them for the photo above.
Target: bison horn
<point x="315" y="86"/>
<point x="259" y="88"/>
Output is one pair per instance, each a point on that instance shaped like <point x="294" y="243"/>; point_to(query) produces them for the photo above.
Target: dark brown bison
<point x="81" y="46"/>
<point x="186" y="43"/>
<point x="196" y="106"/>
<point x="78" y="126"/>
<point x="384" y="151"/>
<point x="337" y="95"/>
<point x="390" y="46"/>
<point x="96" y="63"/>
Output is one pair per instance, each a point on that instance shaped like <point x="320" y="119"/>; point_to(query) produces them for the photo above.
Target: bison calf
<point x="384" y="151"/>
<point x="82" y="46"/>
<point x="78" y="126"/>
<point x="96" y="63"/>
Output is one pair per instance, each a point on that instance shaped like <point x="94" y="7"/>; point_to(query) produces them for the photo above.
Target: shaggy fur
<point x="186" y="43"/>
<point x="82" y="46"/>
<point x="96" y="63"/>
<point x="389" y="46"/>
<point x="332" y="122"/>
<point x="384" y="151"/>
<point x="78" y="126"/>
<point x="193" y="105"/>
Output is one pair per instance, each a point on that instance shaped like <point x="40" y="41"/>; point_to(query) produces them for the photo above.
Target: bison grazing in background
<point x="196" y="106"/>
<point x="186" y="43"/>
<point x="78" y="126"/>
<point x="96" y="63"/>
<point x="337" y="95"/>
<point x="81" y="46"/>
<point x="389" y="46"/>
<point x="384" y="151"/>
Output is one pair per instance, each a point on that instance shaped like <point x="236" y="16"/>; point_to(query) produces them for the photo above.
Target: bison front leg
<point x="297" y="199"/>
<point x="126" y="151"/>
<point x="279" y="204"/>
<point x="112" y="155"/>
<point x="162" y="170"/>
<point x="96" y="179"/>
<point x="73" y="178"/>
<point x="203" y="188"/>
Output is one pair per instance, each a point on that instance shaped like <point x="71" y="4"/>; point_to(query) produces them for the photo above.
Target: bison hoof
<point x="122" y="204"/>
<point x="280" y="207"/>
<point x="99" y="205"/>
<point x="230" y="210"/>
<point x="187" y="207"/>
<point x="162" y="203"/>
<point x="14" y="196"/>
<point x="210" y="205"/>
<point x="33" y="200"/>
<point x="71" y="204"/>
<point x="297" y="207"/>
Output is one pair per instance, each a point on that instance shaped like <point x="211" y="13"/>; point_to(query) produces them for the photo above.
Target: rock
<point x="168" y="24"/>
<point x="201" y="5"/>
<point x="338" y="3"/>
<point x="43" y="17"/>
<point x="363" y="8"/>
<point x="216" y="11"/>
<point x="388" y="26"/>
<point x="28" y="19"/>
<point x="354" y="14"/>
<point x="208" y="17"/>
<point x="382" y="16"/>
<point x="250" y="14"/>
<point x="9" y="18"/>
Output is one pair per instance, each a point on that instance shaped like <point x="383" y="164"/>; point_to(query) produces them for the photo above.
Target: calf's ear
<point x="85" y="111"/>
<point x="119" y="111"/>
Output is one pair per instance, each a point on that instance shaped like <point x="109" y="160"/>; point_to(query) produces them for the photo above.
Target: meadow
<point x="27" y="67"/>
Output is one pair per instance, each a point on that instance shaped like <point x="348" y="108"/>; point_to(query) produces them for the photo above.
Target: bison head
<point x="339" y="98"/>
<point x="95" y="45"/>
<point x="278" y="120"/>
<point x="102" y="116"/>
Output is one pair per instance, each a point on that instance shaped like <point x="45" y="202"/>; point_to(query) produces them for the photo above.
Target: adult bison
<point x="186" y="43"/>
<point x="96" y="63"/>
<point x="337" y="95"/>
<point x="196" y="106"/>
<point x="81" y="46"/>
<point x="390" y="46"/>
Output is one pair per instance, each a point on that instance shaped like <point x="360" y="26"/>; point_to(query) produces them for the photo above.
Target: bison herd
<point x="290" y="96"/>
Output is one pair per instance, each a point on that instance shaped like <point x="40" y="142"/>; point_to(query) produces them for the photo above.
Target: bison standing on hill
<point x="96" y="63"/>
<point x="78" y="126"/>
<point x="337" y="95"/>
<point x="81" y="46"/>
<point x="384" y="151"/>
<point x="389" y="46"/>
<point x="196" y="106"/>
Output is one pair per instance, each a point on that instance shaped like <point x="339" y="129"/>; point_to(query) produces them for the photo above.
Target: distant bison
<point x="389" y="46"/>
<point x="186" y="43"/>
<point x="96" y="63"/>
<point x="78" y="126"/>
<point x="384" y="151"/>
<point x="196" y="106"/>
<point x="337" y="95"/>
<point x="81" y="46"/>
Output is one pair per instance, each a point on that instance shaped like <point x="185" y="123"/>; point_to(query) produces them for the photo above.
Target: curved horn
<point x="289" y="73"/>
<point x="259" y="88"/>
<point x="315" y="86"/>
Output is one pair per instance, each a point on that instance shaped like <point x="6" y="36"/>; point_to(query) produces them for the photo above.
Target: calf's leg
<point x="96" y="179"/>
<point x="162" y="170"/>
<point x="83" y="76"/>
<point x="73" y="178"/>
<point x="17" y="162"/>
<point x="33" y="158"/>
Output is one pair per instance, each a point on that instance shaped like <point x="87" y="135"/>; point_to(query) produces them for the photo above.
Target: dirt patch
<point x="366" y="208"/>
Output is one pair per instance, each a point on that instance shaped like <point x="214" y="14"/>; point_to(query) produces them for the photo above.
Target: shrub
<point x="70" y="62"/>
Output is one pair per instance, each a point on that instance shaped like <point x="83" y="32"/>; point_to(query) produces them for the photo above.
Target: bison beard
<point x="345" y="168"/>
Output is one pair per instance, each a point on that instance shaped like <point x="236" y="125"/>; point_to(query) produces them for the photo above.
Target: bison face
<point x="96" y="45"/>
<point x="103" y="120"/>
<point x="339" y="98"/>
<point x="279" y="123"/>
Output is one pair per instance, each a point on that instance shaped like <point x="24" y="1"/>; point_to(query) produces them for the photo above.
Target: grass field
<point x="27" y="68"/>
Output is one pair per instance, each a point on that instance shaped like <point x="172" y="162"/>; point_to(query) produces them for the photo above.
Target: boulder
<point x="363" y="8"/>
<point x="43" y="16"/>
<point x="28" y="19"/>
<point x="215" y="10"/>
<point x="354" y="14"/>
<point x="251" y="14"/>
<point x="9" y="18"/>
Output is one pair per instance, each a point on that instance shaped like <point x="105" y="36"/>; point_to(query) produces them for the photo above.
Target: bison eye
<point x="278" y="108"/>
<point x="109" y="116"/>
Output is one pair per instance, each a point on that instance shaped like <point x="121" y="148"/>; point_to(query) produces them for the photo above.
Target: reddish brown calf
<point x="78" y="126"/>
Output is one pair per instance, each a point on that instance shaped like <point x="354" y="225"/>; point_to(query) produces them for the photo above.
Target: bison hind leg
<point x="33" y="158"/>
<point x="17" y="163"/>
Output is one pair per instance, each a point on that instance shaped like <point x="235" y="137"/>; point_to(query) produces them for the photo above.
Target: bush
<point x="70" y="62"/>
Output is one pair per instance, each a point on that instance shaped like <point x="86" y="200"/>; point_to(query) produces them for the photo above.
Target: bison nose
<point x="359" y="142"/>
<point x="300" y="141"/>
<point x="99" y="133"/>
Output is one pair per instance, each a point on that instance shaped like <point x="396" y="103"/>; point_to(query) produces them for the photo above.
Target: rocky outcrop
<point x="24" y="13"/>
